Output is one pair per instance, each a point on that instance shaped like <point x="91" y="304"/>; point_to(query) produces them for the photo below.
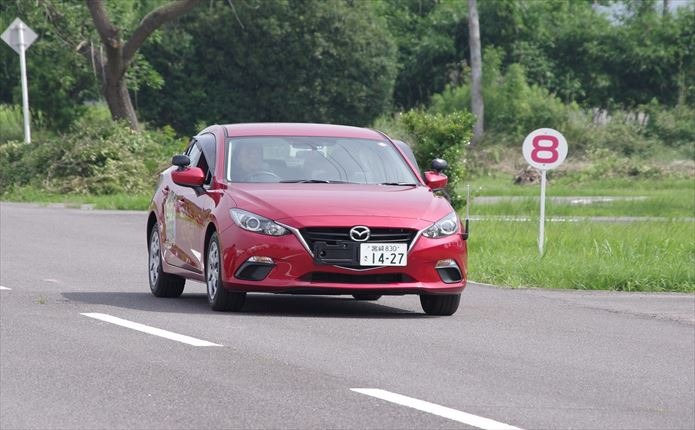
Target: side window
<point x="198" y="159"/>
<point x="194" y="153"/>
<point x="206" y="142"/>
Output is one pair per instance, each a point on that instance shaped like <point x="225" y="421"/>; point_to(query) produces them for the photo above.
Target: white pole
<point x="25" y="91"/>
<point x="541" y="233"/>
<point x="468" y="201"/>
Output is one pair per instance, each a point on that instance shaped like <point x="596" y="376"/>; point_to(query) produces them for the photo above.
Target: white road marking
<point x="4" y="288"/>
<point x="51" y="280"/>
<point x="150" y="330"/>
<point x="432" y="408"/>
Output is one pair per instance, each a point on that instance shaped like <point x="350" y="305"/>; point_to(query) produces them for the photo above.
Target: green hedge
<point x="97" y="157"/>
<point x="441" y="136"/>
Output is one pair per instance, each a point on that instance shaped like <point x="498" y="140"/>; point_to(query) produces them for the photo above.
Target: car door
<point x="192" y="207"/>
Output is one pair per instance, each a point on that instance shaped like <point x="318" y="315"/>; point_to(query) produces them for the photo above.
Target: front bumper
<point x="288" y="267"/>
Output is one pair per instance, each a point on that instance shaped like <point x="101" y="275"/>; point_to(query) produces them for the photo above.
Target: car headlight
<point x="256" y="223"/>
<point x="443" y="228"/>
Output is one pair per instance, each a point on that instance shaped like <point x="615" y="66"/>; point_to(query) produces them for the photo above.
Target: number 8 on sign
<point x="545" y="148"/>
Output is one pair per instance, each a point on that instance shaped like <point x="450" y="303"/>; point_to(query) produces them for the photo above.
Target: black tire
<point x="367" y="297"/>
<point x="161" y="284"/>
<point x="446" y="304"/>
<point x="219" y="298"/>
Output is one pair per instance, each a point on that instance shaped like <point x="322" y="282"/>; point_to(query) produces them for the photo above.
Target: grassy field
<point x="638" y="256"/>
<point x="120" y="201"/>
<point x="668" y="198"/>
<point x="503" y="186"/>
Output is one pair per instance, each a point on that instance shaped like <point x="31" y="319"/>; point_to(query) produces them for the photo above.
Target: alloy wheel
<point x="213" y="270"/>
<point x="155" y="259"/>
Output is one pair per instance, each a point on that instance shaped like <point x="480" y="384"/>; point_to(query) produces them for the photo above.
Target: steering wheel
<point x="256" y="176"/>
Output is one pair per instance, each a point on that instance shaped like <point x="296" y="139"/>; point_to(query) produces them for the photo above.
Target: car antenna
<point x="468" y="206"/>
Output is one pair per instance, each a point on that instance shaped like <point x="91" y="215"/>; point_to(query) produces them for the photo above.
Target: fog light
<point x="448" y="271"/>
<point x="260" y="259"/>
<point x="255" y="268"/>
<point x="448" y="262"/>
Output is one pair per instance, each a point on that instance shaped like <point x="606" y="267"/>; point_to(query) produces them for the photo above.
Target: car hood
<point x="303" y="202"/>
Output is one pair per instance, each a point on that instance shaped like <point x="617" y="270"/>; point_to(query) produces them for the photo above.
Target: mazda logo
<point x="359" y="233"/>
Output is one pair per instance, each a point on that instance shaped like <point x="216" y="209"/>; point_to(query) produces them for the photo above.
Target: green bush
<point x="11" y="123"/>
<point x="441" y="136"/>
<point x="674" y="127"/>
<point x="96" y="157"/>
<point x="513" y="108"/>
<point x="608" y="164"/>
<point x="622" y="137"/>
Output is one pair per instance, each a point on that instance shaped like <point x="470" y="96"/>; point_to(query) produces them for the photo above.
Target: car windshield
<point x="316" y="160"/>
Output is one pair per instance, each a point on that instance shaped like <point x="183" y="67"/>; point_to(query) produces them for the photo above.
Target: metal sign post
<point x="544" y="149"/>
<point x="541" y="228"/>
<point x="19" y="36"/>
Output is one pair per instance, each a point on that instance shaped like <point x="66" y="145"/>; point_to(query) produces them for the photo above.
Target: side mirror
<point x="181" y="161"/>
<point x="436" y="180"/>
<point x="188" y="177"/>
<point x="439" y="165"/>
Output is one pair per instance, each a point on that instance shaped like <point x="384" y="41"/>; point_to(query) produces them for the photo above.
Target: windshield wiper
<point x="312" y="181"/>
<point x="400" y="184"/>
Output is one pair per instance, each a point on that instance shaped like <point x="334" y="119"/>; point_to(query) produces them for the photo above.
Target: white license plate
<point x="383" y="254"/>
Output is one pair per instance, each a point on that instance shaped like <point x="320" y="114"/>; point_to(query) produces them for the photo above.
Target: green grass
<point x="640" y="256"/>
<point x="655" y="198"/>
<point x="669" y="205"/>
<point x="119" y="201"/>
<point x="487" y="186"/>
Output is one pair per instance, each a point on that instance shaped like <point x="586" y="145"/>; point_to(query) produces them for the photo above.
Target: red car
<point x="304" y="209"/>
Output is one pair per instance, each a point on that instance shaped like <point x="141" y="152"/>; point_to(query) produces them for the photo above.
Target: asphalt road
<point x="525" y="358"/>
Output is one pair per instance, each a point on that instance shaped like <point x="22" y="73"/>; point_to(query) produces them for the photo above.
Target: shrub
<point x="441" y="136"/>
<point x="620" y="137"/>
<point x="608" y="164"/>
<point x="11" y="123"/>
<point x="96" y="157"/>
<point x="674" y="127"/>
<point x="513" y="108"/>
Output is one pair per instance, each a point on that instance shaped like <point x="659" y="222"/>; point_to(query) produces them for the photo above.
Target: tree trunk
<point x="120" y="53"/>
<point x="120" y="104"/>
<point x="476" y="72"/>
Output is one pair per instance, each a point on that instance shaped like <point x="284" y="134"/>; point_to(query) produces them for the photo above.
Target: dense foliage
<point x="617" y="77"/>
<point x="98" y="156"/>
<point x="301" y="60"/>
<point x="60" y="81"/>
<point x="343" y="61"/>
<point x="441" y="136"/>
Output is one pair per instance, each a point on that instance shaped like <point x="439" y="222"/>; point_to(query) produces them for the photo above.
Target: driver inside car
<point x="248" y="165"/>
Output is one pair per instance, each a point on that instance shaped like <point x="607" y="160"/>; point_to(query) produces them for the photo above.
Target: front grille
<point x="333" y="235"/>
<point x="342" y="278"/>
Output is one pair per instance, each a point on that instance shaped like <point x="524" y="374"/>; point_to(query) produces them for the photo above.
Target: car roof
<point x="300" y="129"/>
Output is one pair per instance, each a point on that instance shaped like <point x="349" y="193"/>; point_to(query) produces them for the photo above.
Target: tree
<point x="119" y="54"/>
<point x="477" y="106"/>
<point x="299" y="60"/>
<point x="59" y="78"/>
<point x="431" y="38"/>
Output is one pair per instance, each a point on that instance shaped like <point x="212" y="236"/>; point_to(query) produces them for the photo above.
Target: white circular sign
<point x="545" y="148"/>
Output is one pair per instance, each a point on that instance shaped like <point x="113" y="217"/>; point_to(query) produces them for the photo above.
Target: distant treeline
<point x="351" y="61"/>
